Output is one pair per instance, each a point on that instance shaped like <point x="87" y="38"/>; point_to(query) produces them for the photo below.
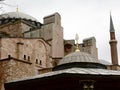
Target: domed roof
<point x="17" y="15"/>
<point x="78" y="57"/>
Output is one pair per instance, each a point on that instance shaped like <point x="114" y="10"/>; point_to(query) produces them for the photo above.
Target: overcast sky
<point x="86" y="17"/>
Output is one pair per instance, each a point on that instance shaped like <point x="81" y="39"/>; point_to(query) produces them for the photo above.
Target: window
<point x="9" y="56"/>
<point x="24" y="57"/>
<point x="36" y="61"/>
<point x="88" y="84"/>
<point x="28" y="58"/>
<point x="40" y="62"/>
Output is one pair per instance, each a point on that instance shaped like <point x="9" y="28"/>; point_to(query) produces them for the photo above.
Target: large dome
<point x="78" y="57"/>
<point x="17" y="15"/>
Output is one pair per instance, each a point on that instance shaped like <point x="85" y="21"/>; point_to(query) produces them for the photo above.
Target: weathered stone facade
<point x="22" y="58"/>
<point x="13" y="69"/>
<point x="88" y="46"/>
<point x="29" y="48"/>
<point x="24" y="49"/>
<point x="12" y="29"/>
<point x="52" y="32"/>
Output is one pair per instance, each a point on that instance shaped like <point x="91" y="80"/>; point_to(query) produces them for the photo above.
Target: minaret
<point x="113" y="43"/>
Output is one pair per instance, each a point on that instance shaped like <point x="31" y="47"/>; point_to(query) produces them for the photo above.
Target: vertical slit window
<point x="36" y="61"/>
<point x="28" y="58"/>
<point x="24" y="57"/>
<point x="40" y="62"/>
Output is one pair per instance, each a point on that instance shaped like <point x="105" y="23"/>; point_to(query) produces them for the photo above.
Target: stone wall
<point x="20" y="69"/>
<point x="14" y="69"/>
<point x="4" y="72"/>
<point x="34" y="50"/>
<point x="69" y="46"/>
<point x="13" y="29"/>
<point x="25" y="27"/>
<point x="88" y="46"/>
<point x="21" y="58"/>
<point x="53" y="32"/>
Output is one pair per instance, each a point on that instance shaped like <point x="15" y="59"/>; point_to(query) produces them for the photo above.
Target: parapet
<point x="53" y="18"/>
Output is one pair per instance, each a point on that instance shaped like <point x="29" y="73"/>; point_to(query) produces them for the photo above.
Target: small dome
<point x="17" y="15"/>
<point x="78" y="57"/>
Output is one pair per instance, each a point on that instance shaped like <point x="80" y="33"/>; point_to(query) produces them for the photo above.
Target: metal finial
<point x="77" y="47"/>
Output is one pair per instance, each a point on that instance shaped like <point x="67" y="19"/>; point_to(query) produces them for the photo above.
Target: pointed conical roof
<point x="111" y="24"/>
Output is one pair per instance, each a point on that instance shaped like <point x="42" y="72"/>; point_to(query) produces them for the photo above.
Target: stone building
<point x="88" y="46"/>
<point x="20" y="58"/>
<point x="75" y="71"/>
<point x="29" y="48"/>
<point x="29" y="45"/>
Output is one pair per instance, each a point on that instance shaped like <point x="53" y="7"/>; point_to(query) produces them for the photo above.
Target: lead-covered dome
<point x="17" y="15"/>
<point x="78" y="59"/>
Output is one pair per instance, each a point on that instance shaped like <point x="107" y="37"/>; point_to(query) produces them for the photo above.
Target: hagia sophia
<point x="35" y="56"/>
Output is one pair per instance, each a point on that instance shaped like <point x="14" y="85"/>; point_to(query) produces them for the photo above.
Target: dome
<point x="17" y="15"/>
<point x="78" y="57"/>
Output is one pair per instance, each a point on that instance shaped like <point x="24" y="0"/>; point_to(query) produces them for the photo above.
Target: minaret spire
<point x="113" y="43"/>
<point x="111" y="24"/>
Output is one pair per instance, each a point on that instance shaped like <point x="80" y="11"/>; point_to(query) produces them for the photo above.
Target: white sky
<point x="86" y="17"/>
